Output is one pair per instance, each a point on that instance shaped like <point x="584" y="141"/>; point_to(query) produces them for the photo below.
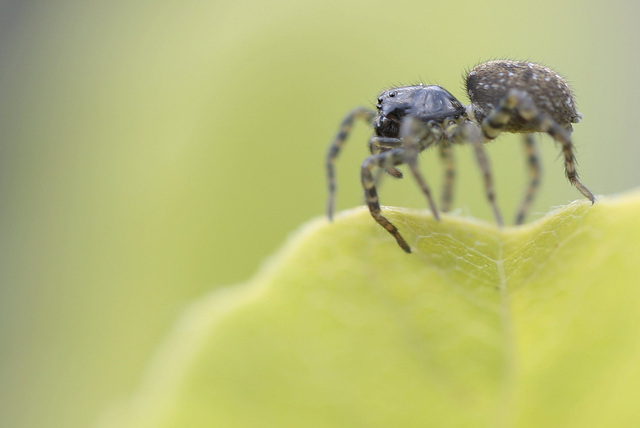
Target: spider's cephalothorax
<point x="506" y="96"/>
<point x="424" y="103"/>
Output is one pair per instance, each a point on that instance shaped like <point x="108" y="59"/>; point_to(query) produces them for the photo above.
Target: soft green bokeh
<point x="152" y="151"/>
<point x="479" y="327"/>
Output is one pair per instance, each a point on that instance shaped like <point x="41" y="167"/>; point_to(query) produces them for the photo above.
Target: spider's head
<point x="426" y="103"/>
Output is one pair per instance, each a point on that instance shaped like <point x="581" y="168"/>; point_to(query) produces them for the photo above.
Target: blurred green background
<point x="152" y="151"/>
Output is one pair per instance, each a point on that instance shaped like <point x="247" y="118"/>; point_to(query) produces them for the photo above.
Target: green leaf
<point x="532" y="326"/>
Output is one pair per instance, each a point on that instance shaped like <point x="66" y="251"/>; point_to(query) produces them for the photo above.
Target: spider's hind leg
<point x="519" y="101"/>
<point x="533" y="165"/>
<point x="563" y="136"/>
<point x="471" y="133"/>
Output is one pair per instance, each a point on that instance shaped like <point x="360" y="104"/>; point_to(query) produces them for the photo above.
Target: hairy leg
<point x="533" y="166"/>
<point x="334" y="149"/>
<point x="386" y="159"/>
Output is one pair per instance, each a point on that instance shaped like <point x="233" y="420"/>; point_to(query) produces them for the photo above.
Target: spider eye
<point x="392" y="94"/>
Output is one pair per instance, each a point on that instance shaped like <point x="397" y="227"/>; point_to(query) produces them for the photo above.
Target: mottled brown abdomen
<point x="488" y="83"/>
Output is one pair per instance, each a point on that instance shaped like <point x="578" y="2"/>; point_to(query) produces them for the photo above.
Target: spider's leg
<point x="417" y="137"/>
<point x="337" y="143"/>
<point x="561" y="134"/>
<point x="386" y="159"/>
<point x="382" y="144"/>
<point x="446" y="154"/>
<point x="533" y="165"/>
<point x="470" y="132"/>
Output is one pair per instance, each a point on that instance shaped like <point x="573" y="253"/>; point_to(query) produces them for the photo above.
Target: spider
<point x="506" y="96"/>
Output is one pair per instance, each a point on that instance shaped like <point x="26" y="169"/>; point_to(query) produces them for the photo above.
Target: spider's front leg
<point x="379" y="144"/>
<point x="334" y="149"/>
<point x="446" y="155"/>
<point x="388" y="159"/>
<point x="417" y="136"/>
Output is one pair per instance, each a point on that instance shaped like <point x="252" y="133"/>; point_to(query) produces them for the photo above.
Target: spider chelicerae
<point x="506" y="96"/>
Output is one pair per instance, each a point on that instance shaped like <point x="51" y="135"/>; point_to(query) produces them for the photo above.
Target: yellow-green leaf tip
<point x="532" y="326"/>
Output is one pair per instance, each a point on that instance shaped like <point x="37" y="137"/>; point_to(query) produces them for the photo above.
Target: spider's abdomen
<point x="488" y="84"/>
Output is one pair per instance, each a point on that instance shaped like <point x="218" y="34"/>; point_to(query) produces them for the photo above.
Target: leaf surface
<point x="531" y="326"/>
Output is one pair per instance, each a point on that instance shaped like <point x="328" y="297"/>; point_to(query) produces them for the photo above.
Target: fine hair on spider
<point x="505" y="96"/>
